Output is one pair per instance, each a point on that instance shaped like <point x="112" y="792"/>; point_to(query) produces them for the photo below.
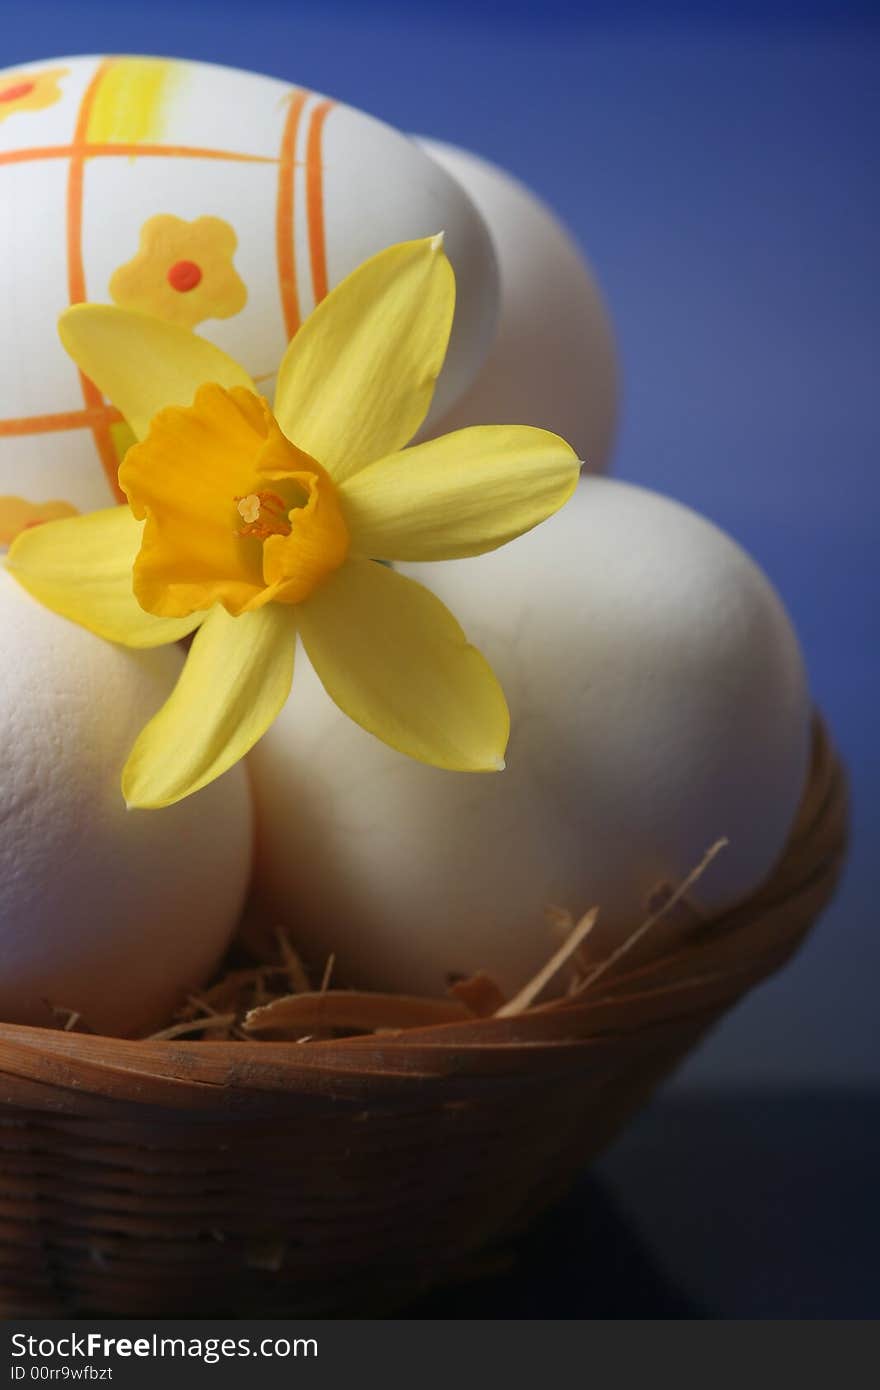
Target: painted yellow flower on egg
<point x="30" y="91"/>
<point x="255" y="527"/>
<point x="182" y="272"/>
<point x="17" y="514"/>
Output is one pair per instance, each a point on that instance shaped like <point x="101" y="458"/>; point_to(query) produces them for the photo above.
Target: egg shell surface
<point x="553" y="362"/>
<point x="658" y="702"/>
<point x="227" y="201"/>
<point x="112" y="912"/>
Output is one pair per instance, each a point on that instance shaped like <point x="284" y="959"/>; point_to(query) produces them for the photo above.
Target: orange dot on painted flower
<point x="21" y="89"/>
<point x="184" y="275"/>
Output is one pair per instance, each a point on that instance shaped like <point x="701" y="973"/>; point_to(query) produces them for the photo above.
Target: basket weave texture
<point x="141" y="1178"/>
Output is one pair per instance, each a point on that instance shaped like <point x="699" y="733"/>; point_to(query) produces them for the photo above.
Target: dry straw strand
<point x="640" y="932"/>
<point x="529" y="993"/>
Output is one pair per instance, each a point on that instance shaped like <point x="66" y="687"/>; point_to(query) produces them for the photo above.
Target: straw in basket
<point x="345" y="1175"/>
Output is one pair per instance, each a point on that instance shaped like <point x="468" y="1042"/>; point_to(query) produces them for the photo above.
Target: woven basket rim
<point x="760" y="934"/>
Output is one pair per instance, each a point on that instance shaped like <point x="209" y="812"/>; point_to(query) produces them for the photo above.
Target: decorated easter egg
<point x="658" y="703"/>
<point x="107" y="912"/>
<point x="552" y="362"/>
<point x="218" y="199"/>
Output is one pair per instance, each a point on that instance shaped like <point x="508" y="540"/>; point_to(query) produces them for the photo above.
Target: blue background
<point x="715" y="162"/>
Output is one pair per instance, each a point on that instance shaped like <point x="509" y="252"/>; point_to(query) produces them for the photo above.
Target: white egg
<point x="221" y="199"/>
<point x="111" y="912"/>
<point x="553" y="361"/>
<point x="658" y="702"/>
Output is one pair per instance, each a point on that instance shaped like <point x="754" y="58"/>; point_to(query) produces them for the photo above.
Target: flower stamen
<point x="263" y="514"/>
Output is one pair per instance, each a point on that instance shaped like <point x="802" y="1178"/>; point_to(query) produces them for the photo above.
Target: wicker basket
<point x="224" y="1178"/>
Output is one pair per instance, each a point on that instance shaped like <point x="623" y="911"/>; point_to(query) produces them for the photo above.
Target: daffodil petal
<point x="236" y="678"/>
<point x="81" y="567"/>
<point x="460" y="495"/>
<point x="394" y="659"/>
<point x="142" y="363"/>
<point x="357" y="379"/>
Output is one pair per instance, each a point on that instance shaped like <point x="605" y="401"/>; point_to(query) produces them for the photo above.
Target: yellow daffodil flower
<point x="253" y="527"/>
